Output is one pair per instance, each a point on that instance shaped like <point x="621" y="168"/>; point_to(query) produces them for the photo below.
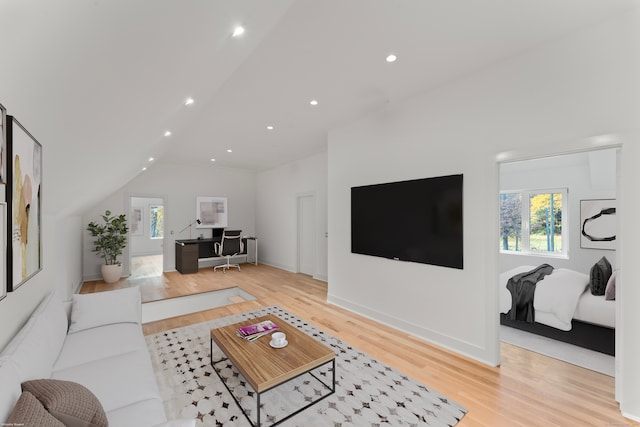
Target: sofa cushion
<point x="145" y="413"/>
<point x="30" y="412"/>
<point x="9" y="388"/>
<point x="99" y="343"/>
<point x="182" y="422"/>
<point x="71" y="403"/>
<point x="116" y="381"/>
<point x="36" y="346"/>
<point x="105" y="308"/>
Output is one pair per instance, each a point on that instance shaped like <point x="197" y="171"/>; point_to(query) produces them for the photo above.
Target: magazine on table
<point x="257" y="330"/>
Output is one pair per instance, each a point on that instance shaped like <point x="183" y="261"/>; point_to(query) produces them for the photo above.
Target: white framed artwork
<point x="598" y="223"/>
<point x="211" y="212"/>
<point x="3" y="251"/>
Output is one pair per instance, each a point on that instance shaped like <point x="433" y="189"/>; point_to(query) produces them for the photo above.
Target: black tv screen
<point x="418" y="220"/>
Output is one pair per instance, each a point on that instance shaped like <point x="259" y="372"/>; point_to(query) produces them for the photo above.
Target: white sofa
<point x="95" y="340"/>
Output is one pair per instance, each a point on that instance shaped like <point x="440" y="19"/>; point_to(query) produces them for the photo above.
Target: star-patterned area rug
<point x="368" y="392"/>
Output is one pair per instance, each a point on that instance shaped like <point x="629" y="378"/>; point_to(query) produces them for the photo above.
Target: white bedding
<point x="560" y="297"/>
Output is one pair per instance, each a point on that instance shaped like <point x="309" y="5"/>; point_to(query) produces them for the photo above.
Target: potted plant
<point x="111" y="239"/>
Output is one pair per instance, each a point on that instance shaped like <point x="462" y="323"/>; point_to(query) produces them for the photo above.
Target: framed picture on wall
<point x="3" y="251"/>
<point x="3" y="145"/>
<point x="211" y="211"/>
<point x="137" y="222"/>
<point x="24" y="205"/>
<point x="598" y="223"/>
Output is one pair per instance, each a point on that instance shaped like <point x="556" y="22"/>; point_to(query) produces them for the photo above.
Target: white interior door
<point x="306" y="240"/>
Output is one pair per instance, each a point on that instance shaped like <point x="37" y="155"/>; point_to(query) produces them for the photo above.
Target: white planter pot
<point x="111" y="273"/>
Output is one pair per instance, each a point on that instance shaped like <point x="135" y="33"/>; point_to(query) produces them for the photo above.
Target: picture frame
<point x="24" y="205"/>
<point x="3" y="251"/>
<point x="3" y="145"/>
<point x="137" y="221"/>
<point x="598" y="224"/>
<point x="211" y="212"/>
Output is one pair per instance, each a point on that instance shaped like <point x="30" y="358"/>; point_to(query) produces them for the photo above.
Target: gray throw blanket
<point x="522" y="287"/>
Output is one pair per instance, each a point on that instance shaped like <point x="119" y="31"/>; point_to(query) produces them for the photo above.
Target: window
<point x="156" y="213"/>
<point x="533" y="222"/>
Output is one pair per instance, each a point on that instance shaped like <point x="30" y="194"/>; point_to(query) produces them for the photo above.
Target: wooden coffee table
<point x="265" y="367"/>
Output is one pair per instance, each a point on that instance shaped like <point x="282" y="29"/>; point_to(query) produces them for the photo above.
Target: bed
<point x="564" y="309"/>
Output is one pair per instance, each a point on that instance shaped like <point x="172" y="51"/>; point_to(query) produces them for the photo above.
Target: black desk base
<point x="189" y="252"/>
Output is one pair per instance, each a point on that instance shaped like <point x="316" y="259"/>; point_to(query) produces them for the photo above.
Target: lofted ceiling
<point x="99" y="82"/>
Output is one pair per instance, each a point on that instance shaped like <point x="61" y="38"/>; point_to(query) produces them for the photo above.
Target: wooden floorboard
<point x="527" y="390"/>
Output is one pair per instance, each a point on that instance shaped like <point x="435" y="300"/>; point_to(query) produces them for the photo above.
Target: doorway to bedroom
<point x="545" y="202"/>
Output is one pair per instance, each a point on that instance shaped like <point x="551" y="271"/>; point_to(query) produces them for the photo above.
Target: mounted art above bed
<point x="598" y="224"/>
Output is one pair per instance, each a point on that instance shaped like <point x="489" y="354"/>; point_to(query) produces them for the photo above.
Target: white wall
<point x="586" y="175"/>
<point x="276" y="194"/>
<point x="179" y="186"/>
<point x="547" y="101"/>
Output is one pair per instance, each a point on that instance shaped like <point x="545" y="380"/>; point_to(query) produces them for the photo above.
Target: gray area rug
<point x="368" y="392"/>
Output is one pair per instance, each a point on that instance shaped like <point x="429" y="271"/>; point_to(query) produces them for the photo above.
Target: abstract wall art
<point x="598" y="222"/>
<point x="24" y="205"/>
<point x="3" y="145"/>
<point x="211" y="211"/>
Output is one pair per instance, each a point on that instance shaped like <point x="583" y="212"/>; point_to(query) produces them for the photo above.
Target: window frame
<point x="525" y="219"/>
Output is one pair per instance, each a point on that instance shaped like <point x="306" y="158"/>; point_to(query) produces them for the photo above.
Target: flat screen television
<point x="418" y="220"/>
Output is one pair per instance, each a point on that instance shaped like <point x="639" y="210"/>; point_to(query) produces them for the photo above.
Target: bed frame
<point x="586" y="335"/>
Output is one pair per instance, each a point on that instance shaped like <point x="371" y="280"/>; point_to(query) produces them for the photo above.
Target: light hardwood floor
<point x="528" y="389"/>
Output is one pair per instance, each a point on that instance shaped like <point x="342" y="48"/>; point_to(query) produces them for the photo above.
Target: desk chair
<point x="230" y="245"/>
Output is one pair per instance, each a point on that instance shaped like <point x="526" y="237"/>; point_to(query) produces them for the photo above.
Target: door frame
<point x="595" y="143"/>
<point x="128" y="197"/>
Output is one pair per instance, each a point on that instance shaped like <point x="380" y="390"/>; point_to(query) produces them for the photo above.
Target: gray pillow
<point x="30" y="412"/>
<point x="70" y="402"/>
<point x="600" y="274"/>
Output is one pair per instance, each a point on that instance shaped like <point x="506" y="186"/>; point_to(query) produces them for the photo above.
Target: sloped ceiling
<point x="99" y="82"/>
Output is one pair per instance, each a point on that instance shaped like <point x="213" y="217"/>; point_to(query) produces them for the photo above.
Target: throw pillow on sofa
<point x="600" y="274"/>
<point x="28" y="411"/>
<point x="71" y="403"/>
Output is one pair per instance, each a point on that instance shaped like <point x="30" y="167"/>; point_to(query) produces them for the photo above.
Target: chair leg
<point x="226" y="266"/>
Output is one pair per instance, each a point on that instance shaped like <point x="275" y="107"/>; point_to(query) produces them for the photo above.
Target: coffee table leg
<point x="258" y="424"/>
<point x="258" y="411"/>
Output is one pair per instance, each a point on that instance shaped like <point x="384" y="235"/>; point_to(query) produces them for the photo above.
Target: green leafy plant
<point x="111" y="237"/>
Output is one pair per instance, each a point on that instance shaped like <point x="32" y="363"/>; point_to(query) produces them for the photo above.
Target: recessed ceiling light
<point x="391" y="58"/>
<point x="151" y="159"/>
<point x="314" y="102"/>
<point x="213" y="160"/>
<point x="238" y="31"/>
<point x="167" y="133"/>
<point x="144" y="169"/>
<point x="189" y="101"/>
<point x="269" y="127"/>
<point x="229" y="150"/>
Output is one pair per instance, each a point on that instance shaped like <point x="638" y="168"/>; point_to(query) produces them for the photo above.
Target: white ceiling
<point x="99" y="82"/>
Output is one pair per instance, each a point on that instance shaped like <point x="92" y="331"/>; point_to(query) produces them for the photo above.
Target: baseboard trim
<point x="461" y="347"/>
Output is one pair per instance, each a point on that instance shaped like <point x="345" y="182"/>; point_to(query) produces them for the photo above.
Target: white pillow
<point x="105" y="308"/>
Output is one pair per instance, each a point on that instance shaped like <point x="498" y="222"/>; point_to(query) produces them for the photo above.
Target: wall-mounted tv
<point x="418" y="220"/>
